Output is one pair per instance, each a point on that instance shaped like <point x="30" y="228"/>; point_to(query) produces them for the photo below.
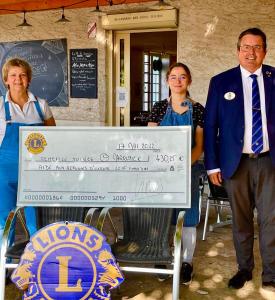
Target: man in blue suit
<point x="240" y="151"/>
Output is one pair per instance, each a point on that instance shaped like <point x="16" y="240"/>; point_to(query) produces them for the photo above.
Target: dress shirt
<point x="27" y="115"/>
<point x="247" y="93"/>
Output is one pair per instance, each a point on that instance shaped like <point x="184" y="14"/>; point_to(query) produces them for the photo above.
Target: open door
<point x="151" y="55"/>
<point x="122" y="79"/>
<point x="140" y="62"/>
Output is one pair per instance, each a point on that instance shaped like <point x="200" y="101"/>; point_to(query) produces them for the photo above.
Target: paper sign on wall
<point x="121" y="97"/>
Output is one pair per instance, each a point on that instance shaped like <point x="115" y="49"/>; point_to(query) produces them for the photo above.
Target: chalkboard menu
<point x="83" y="63"/>
<point x="48" y="59"/>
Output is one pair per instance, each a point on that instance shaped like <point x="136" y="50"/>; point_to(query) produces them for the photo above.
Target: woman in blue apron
<point x="178" y="110"/>
<point x="18" y="108"/>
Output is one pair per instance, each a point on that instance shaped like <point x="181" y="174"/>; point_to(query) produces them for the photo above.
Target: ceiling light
<point x="97" y="10"/>
<point x="63" y="19"/>
<point x="24" y="23"/>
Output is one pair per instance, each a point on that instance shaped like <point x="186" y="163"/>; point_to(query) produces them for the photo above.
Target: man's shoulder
<point x="227" y="74"/>
<point x="269" y="68"/>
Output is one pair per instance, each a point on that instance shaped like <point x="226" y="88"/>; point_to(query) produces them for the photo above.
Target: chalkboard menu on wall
<point x="83" y="64"/>
<point x="48" y="59"/>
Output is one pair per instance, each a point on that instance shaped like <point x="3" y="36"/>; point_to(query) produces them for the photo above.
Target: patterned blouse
<point x="160" y="107"/>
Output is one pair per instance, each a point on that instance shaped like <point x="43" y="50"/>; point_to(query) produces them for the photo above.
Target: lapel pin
<point x="229" y="96"/>
<point x="268" y="73"/>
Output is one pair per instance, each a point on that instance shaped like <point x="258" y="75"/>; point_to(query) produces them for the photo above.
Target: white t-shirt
<point x="27" y="115"/>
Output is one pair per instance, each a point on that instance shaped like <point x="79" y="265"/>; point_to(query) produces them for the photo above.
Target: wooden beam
<point x="10" y="2"/>
<point x="37" y="5"/>
<point x="16" y="6"/>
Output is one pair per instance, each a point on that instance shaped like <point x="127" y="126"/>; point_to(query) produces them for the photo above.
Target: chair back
<point x="146" y="236"/>
<point x="217" y="196"/>
<point x="48" y="215"/>
<point x="217" y="192"/>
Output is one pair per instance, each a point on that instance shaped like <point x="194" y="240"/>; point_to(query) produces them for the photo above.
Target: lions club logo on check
<point x="35" y="143"/>
<point x="67" y="261"/>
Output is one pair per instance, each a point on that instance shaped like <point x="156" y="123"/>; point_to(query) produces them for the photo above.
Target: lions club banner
<point x="67" y="261"/>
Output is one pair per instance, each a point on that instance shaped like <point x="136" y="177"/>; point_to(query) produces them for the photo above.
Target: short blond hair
<point x="16" y="62"/>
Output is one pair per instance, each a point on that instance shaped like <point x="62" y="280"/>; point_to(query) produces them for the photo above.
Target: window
<point x="151" y="80"/>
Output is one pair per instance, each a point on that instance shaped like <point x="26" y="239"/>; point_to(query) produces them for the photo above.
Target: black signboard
<point x="48" y="59"/>
<point x="83" y="63"/>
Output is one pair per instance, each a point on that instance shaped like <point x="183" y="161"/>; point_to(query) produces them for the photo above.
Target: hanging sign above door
<point x="149" y="19"/>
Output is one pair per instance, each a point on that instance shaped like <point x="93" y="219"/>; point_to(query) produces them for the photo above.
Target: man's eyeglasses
<point x="247" y="48"/>
<point x="174" y="77"/>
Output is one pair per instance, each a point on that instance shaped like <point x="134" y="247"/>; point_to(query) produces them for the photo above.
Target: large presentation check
<point x="105" y="166"/>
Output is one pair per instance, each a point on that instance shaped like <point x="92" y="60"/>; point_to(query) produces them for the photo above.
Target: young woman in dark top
<point x="180" y="109"/>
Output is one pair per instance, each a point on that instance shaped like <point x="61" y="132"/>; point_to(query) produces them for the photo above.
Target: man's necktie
<point x="257" y="131"/>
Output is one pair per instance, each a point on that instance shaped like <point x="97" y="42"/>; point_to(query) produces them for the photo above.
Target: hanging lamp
<point x="24" y="23"/>
<point x="63" y="19"/>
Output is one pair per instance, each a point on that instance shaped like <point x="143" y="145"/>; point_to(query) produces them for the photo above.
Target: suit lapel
<point x="267" y="76"/>
<point x="239" y="82"/>
<point x="239" y="88"/>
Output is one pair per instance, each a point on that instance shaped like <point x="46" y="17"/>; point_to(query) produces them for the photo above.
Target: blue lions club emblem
<point x="67" y="261"/>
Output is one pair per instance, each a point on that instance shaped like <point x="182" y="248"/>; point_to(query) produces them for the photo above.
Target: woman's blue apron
<point x="172" y="118"/>
<point x="9" y="153"/>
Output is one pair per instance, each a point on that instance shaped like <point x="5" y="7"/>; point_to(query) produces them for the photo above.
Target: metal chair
<point x="217" y="198"/>
<point x="145" y="242"/>
<point x="146" y="236"/>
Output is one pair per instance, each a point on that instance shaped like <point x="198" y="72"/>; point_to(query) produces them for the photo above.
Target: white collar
<point x="30" y="97"/>
<point x="246" y="73"/>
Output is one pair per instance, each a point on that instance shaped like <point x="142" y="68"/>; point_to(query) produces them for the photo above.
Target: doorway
<point x="151" y="54"/>
<point x="141" y="63"/>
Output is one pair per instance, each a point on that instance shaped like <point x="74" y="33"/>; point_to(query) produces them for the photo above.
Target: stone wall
<point x="208" y="33"/>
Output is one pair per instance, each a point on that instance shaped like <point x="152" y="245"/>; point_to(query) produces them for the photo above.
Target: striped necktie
<point x="257" y="131"/>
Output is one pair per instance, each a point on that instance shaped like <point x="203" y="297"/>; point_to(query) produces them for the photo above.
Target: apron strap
<point x="7" y="111"/>
<point x="38" y="108"/>
<point x="188" y="103"/>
